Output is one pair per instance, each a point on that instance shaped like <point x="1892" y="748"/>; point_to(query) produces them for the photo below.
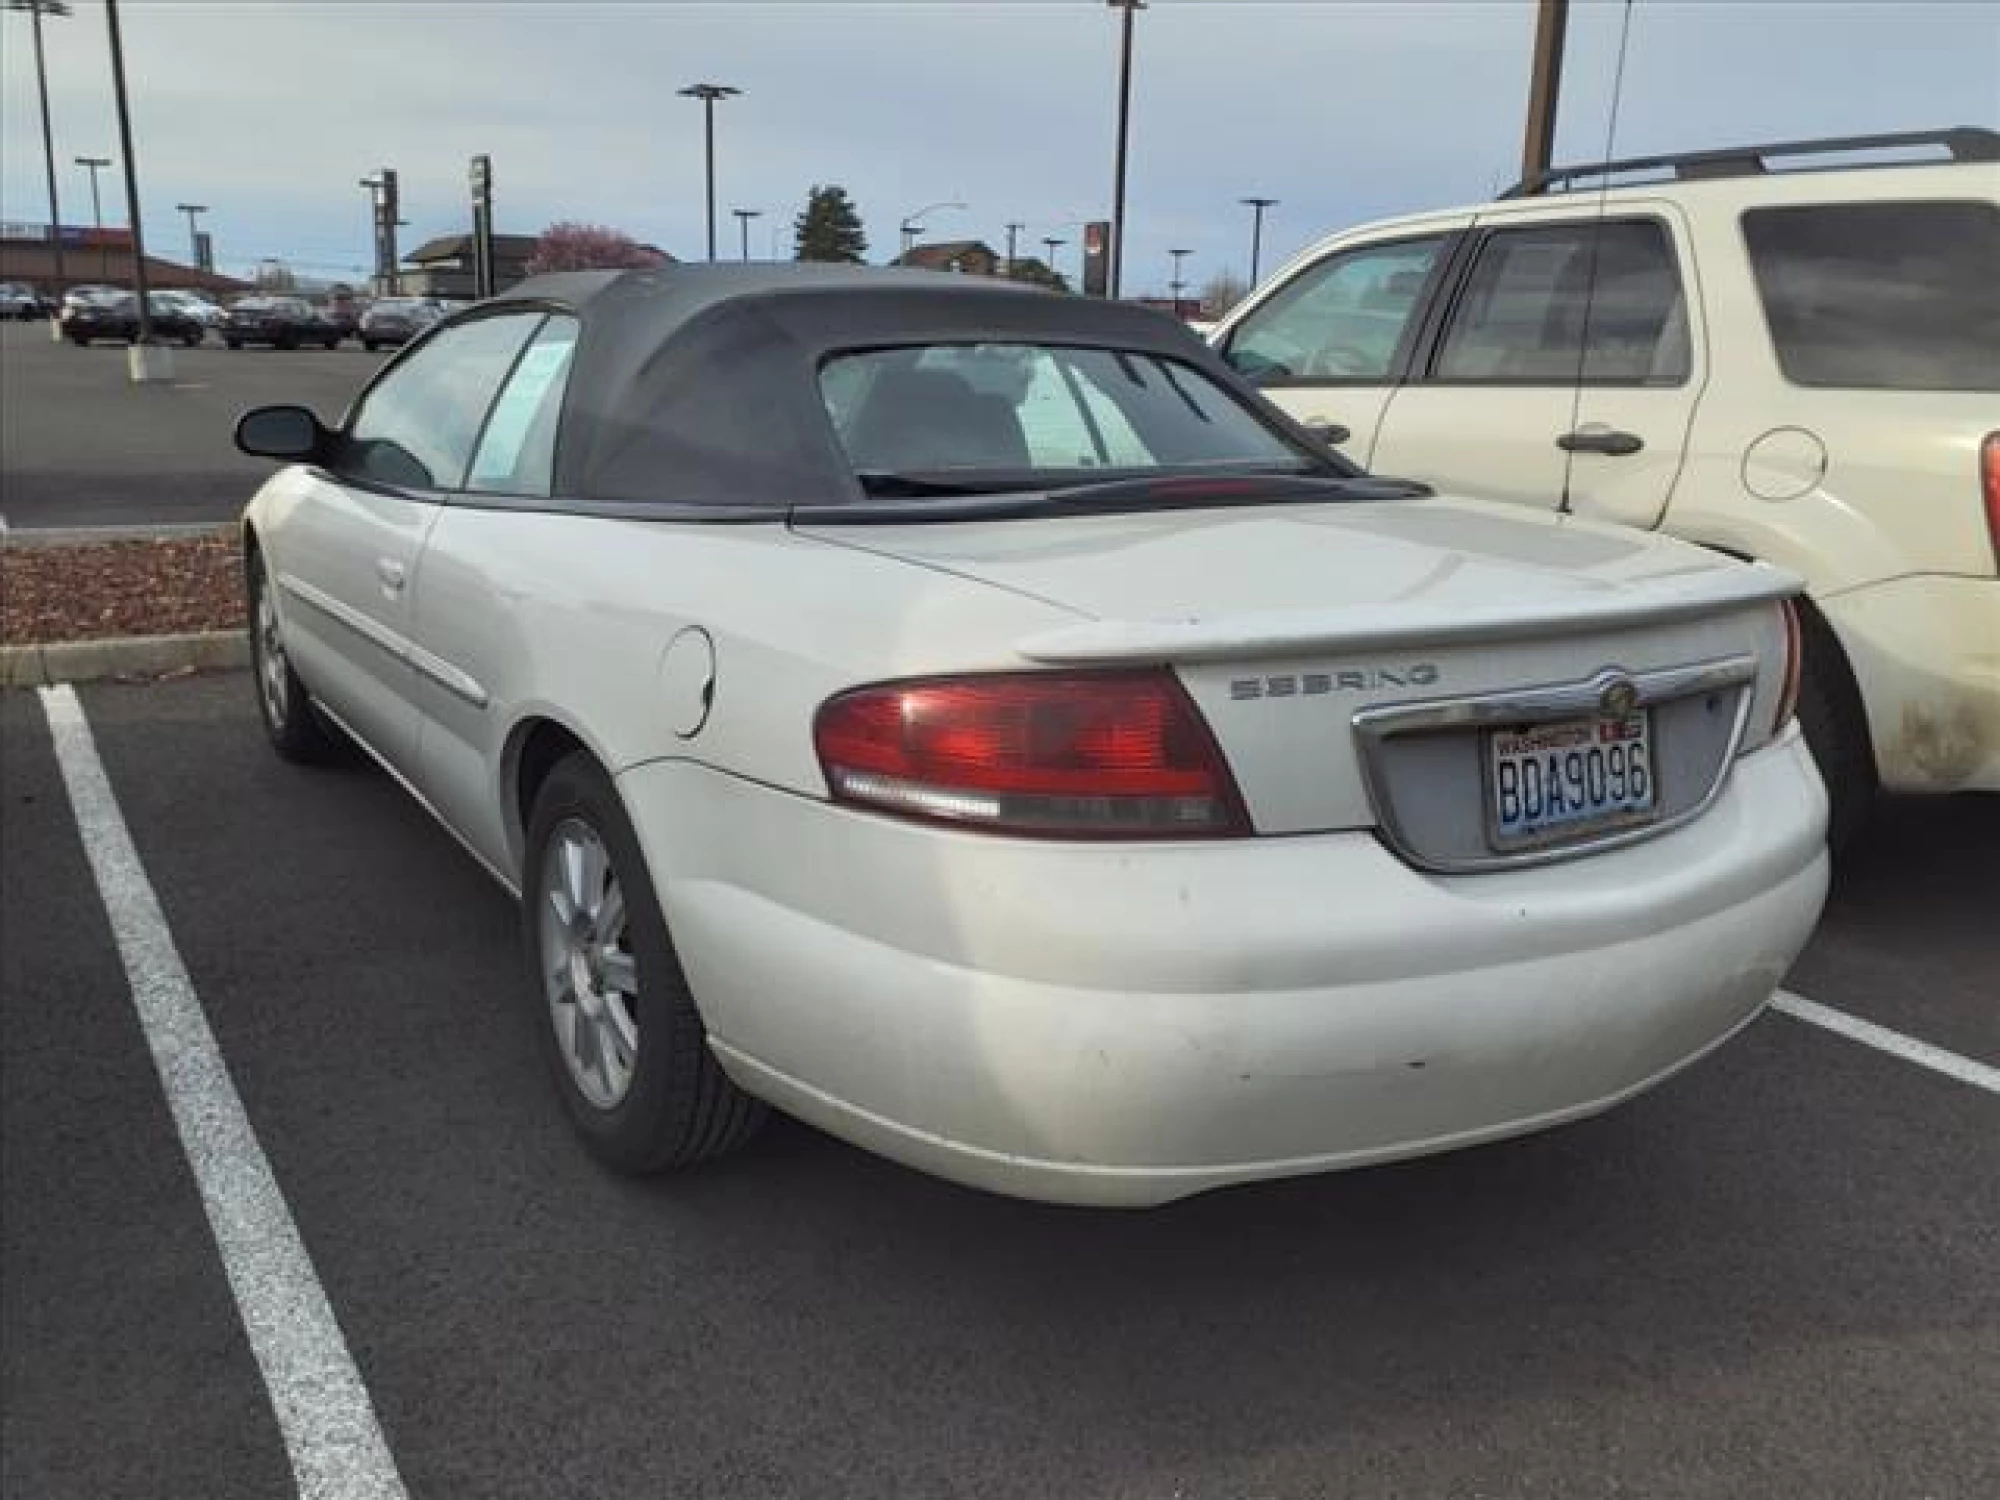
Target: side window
<point x="417" y="427"/>
<point x="517" y="451"/>
<point x="1881" y="296"/>
<point x="1521" y="318"/>
<point x="1342" y="319"/>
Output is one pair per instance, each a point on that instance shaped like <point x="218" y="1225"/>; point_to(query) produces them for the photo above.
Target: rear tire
<point x="618" y="1023"/>
<point x="294" y="726"/>
<point x="1836" y="728"/>
<point x="234" y="343"/>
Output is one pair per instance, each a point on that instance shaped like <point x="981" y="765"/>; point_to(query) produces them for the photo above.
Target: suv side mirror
<point x="289" y="432"/>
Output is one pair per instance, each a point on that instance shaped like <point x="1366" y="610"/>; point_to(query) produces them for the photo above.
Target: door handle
<point x="1332" y="433"/>
<point x="1595" y="438"/>
<point x="391" y="573"/>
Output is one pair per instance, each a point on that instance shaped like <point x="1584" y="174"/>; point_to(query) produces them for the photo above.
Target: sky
<point x="271" y="111"/>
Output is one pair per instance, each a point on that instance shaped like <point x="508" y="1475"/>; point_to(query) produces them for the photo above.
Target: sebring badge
<point x="1314" y="684"/>
<point x="1619" y="697"/>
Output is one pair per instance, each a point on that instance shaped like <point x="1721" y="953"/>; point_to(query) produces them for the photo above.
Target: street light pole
<point x="194" y="230"/>
<point x="1117" y="262"/>
<point x="743" y="218"/>
<point x="94" y="165"/>
<point x="1014" y="228"/>
<point x="36" y="9"/>
<point x="1257" y="207"/>
<point x="1179" y="256"/>
<point x="912" y="225"/>
<point x="1052" y="244"/>
<point x="708" y="93"/>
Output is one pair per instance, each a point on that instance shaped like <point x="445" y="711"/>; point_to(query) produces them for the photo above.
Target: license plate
<point x="1548" y="782"/>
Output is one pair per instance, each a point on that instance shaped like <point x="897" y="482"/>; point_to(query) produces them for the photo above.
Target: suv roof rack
<point x="1964" y="143"/>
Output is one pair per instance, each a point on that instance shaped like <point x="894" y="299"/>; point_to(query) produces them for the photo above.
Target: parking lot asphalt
<point x="1778" y="1275"/>
<point x="83" y="446"/>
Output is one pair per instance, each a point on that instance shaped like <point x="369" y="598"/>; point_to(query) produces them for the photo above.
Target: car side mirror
<point x="291" y="433"/>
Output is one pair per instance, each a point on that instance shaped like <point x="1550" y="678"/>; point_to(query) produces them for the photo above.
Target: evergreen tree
<point x="829" y="228"/>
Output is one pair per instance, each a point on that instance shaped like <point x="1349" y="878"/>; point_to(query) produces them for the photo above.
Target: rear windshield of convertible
<point x="1023" y="410"/>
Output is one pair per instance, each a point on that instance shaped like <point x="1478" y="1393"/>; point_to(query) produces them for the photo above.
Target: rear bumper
<point x="1926" y="655"/>
<point x="1120" y="1026"/>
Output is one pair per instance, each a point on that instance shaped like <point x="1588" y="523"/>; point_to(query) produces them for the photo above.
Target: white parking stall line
<point x="1980" y="1075"/>
<point x="331" y="1433"/>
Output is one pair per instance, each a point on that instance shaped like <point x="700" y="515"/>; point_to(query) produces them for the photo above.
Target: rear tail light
<point x="1989" y="484"/>
<point x="1788" y="687"/>
<point x="1078" y="755"/>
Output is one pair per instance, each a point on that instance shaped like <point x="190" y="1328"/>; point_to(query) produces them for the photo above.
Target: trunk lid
<point x="1300" y="629"/>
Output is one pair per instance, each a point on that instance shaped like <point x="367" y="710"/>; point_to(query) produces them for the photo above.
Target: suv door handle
<point x="391" y="573"/>
<point x="1595" y="438"/>
<point x="1328" y="431"/>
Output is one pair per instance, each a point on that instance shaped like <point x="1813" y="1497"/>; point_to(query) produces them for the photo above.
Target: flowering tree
<point x="590" y="247"/>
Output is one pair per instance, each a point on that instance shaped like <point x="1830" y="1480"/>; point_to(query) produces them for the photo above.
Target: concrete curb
<point x="83" y="536"/>
<point x="126" y="656"/>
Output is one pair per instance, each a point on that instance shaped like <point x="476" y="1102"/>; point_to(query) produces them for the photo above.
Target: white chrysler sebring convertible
<point x="972" y="720"/>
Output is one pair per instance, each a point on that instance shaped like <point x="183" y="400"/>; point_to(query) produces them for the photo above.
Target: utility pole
<point x="36" y="9"/>
<point x="141" y="369"/>
<point x="708" y="93"/>
<point x="743" y="218"/>
<point x="194" y="230"/>
<point x="1013" y="231"/>
<point x="1551" y="23"/>
<point x="1257" y="207"/>
<point x="1117" y="259"/>
<point x="1053" y="244"/>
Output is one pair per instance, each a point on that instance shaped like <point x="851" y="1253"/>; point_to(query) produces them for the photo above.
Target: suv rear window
<point x="1881" y="296"/>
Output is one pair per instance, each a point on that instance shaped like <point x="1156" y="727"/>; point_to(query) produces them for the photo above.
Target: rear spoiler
<point x="1337" y="629"/>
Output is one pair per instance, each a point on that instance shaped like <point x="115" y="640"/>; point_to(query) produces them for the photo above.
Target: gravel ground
<point x="97" y="589"/>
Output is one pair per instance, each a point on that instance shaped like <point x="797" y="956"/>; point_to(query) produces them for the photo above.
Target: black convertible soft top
<point x="699" y="385"/>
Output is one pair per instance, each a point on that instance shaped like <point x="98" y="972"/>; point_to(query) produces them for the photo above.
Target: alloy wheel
<point x="588" y="973"/>
<point x="271" y="664"/>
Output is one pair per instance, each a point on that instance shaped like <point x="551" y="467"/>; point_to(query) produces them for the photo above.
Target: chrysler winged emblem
<point x="1619" y="697"/>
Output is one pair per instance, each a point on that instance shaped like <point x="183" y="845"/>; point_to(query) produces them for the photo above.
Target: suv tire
<point x="1836" y="728"/>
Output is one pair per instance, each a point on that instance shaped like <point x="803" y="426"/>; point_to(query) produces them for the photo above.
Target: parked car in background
<point x="118" y="318"/>
<point x="196" y="306"/>
<point x="343" y="310"/>
<point x="1795" y="365"/>
<point x="397" y="320"/>
<point x="281" y="322"/>
<point x="89" y="292"/>
<point x="1062" y="773"/>
<point x="20" y="302"/>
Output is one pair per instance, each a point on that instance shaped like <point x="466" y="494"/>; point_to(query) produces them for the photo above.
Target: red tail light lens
<point x="1788" y="690"/>
<point x="1086" y="755"/>
<point x="1989" y="483"/>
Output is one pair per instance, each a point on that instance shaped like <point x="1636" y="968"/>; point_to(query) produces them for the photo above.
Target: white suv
<point x="1801" y="366"/>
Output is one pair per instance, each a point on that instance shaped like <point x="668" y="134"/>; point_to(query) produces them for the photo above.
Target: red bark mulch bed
<point x="93" y="590"/>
